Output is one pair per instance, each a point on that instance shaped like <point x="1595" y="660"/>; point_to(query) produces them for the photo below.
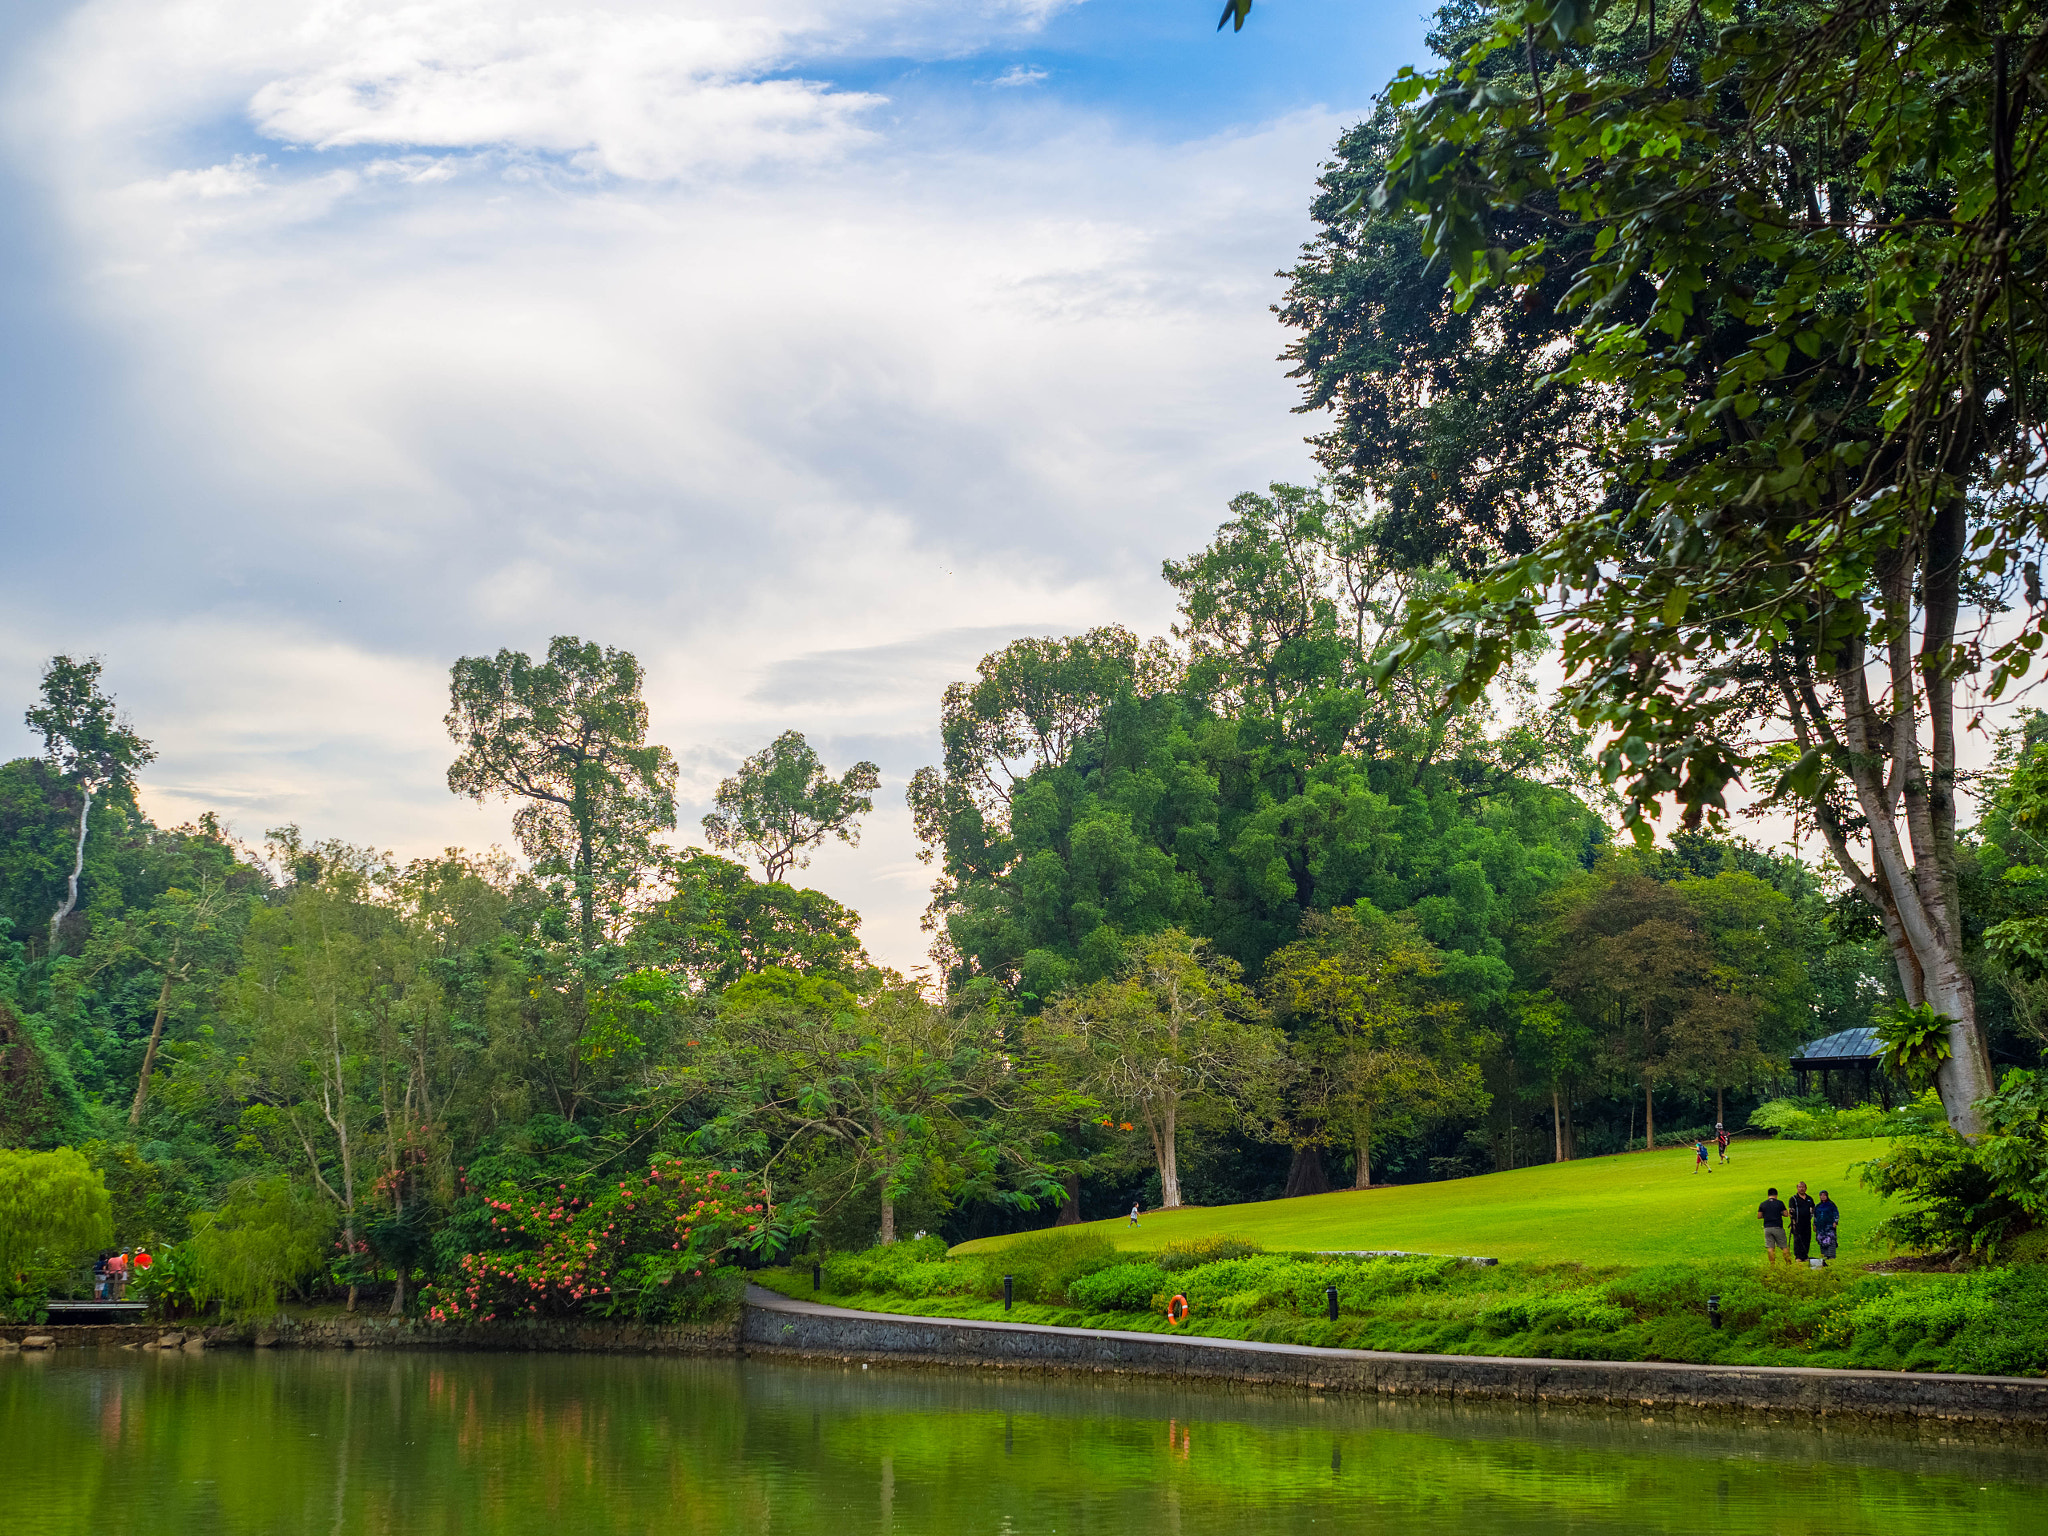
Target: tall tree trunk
<point x="1070" y="1208"/>
<point x="1306" y="1174"/>
<point x="1571" y="1138"/>
<point x="1169" y="1161"/>
<point x="156" y="1033"/>
<point x="77" y="869"/>
<point x="1720" y="1110"/>
<point x="1557" y="1124"/>
<point x="1649" y="1117"/>
<point x="1363" y="1178"/>
<point x="888" y="1218"/>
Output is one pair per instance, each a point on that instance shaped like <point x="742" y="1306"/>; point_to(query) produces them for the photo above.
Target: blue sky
<point x="808" y="348"/>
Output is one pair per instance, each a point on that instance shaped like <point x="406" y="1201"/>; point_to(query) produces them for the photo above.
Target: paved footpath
<point x="777" y="1324"/>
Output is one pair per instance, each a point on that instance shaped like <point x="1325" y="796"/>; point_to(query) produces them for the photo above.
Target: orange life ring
<point x="1182" y="1303"/>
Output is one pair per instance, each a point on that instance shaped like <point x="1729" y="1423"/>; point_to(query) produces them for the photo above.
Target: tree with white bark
<point x="87" y="742"/>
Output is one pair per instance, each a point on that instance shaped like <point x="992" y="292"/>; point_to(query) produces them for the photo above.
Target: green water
<point x="236" y="1442"/>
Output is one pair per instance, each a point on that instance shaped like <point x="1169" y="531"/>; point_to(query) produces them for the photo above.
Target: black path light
<point x="1009" y="1292"/>
<point x="817" y="1275"/>
<point x="1714" y="1310"/>
<point x="1330" y="1295"/>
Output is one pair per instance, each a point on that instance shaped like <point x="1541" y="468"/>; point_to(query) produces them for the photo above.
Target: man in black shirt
<point x="1773" y="1213"/>
<point x="1802" y="1223"/>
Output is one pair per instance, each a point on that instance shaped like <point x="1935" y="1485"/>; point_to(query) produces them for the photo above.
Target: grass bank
<point x="1637" y="1209"/>
<point x="1607" y="1258"/>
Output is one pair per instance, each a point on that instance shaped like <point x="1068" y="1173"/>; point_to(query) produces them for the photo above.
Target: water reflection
<point x="235" y="1442"/>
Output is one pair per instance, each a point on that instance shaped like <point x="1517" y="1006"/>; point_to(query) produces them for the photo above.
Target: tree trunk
<point x="1557" y="1124"/>
<point x="77" y="869"/>
<point x="888" y="1218"/>
<point x="1649" y="1117"/>
<point x="1307" y="1175"/>
<point x="398" y="1294"/>
<point x="156" y="1033"/>
<point x="1070" y="1208"/>
<point x="1720" y="1110"/>
<point x="1363" y="1179"/>
<point x="1169" y="1162"/>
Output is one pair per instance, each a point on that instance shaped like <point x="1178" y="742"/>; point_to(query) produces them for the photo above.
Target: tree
<point x="719" y="923"/>
<point x="184" y="937"/>
<point x="53" y="1210"/>
<point x="1803" y="254"/>
<point x="568" y="737"/>
<point x="782" y="804"/>
<point x="1176" y="1031"/>
<point x="902" y="1095"/>
<point x="1375" y="1050"/>
<point x="89" y="744"/>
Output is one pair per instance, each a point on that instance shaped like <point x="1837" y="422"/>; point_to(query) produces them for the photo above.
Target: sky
<point x="807" y="349"/>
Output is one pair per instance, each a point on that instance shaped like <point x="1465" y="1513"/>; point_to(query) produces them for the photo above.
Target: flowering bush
<point x="648" y="1248"/>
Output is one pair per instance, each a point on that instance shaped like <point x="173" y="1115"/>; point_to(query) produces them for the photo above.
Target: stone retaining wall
<point x="368" y="1332"/>
<point x="798" y="1330"/>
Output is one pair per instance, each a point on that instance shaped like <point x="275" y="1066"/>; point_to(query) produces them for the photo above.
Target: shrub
<point x="649" y="1248"/>
<point x="1972" y="1198"/>
<point x="1120" y="1288"/>
<point x="1175" y="1257"/>
<point x="1565" y="1311"/>
<point x="1043" y="1267"/>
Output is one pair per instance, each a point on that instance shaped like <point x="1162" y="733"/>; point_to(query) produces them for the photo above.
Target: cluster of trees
<point x="1700" y="362"/>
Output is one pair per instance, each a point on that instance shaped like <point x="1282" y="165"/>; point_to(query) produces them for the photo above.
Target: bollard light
<point x="1009" y="1292"/>
<point x="1330" y="1295"/>
<point x="817" y="1276"/>
<point x="1714" y="1310"/>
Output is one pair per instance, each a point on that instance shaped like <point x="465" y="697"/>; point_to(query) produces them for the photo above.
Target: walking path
<point x="779" y="1324"/>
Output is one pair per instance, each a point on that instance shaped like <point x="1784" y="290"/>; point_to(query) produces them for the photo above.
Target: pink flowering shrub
<point x="647" y="1247"/>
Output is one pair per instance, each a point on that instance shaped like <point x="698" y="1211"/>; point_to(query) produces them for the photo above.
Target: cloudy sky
<point x="807" y="348"/>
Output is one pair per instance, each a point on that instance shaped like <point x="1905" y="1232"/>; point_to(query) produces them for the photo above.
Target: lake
<point x="231" y="1442"/>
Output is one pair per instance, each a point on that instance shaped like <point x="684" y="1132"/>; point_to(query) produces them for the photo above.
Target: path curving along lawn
<point x="1639" y="1208"/>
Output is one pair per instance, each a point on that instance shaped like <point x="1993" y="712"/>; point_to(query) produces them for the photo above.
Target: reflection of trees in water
<point x="233" y="1442"/>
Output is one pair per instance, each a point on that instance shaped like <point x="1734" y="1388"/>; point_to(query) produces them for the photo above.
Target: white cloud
<point x="1020" y="74"/>
<point x="522" y="352"/>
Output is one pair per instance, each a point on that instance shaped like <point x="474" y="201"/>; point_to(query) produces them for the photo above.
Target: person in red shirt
<point x="117" y="1276"/>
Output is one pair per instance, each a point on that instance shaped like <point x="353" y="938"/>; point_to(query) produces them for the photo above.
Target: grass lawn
<point x="1638" y="1208"/>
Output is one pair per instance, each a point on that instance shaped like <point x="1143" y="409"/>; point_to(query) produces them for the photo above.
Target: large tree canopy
<point x="1785" y="267"/>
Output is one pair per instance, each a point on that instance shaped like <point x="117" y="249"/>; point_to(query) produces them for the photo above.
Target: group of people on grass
<point x="1699" y="1149"/>
<point x="1812" y="1221"/>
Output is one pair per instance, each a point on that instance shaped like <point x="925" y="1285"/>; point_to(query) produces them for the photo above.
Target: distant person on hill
<point x="1773" y="1213"/>
<point x="1827" y="1217"/>
<point x="1699" y="1157"/>
<point x="1136" y="1206"/>
<point x="1802" y="1223"/>
<point x="1721" y="1137"/>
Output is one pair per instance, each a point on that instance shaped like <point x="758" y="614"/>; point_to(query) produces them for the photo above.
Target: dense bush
<point x="1044" y="1266"/>
<point x="649" y="1248"/>
<point x="1204" y="1250"/>
<point x="1120" y="1288"/>
<point x="53" y="1212"/>
<point x="1971" y="1197"/>
<point x="1815" y="1119"/>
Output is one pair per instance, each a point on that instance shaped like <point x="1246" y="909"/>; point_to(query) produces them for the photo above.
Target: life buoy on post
<point x="1180" y="1302"/>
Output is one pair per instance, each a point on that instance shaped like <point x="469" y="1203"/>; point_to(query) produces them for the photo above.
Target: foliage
<point x="1127" y="1287"/>
<point x="1815" y="1119"/>
<point x="271" y="1235"/>
<point x="719" y="923"/>
<point x="54" y="1211"/>
<point x="647" y="1249"/>
<point x="1205" y="1250"/>
<point x="568" y="737"/>
<point x="1915" y="1042"/>
<point x="173" y="1284"/>
<point x="1971" y="1197"/>
<point x="782" y="804"/>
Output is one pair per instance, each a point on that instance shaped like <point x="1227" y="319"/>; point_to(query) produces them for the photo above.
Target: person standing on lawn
<point x="1802" y="1223"/>
<point x="1721" y="1137"/>
<point x="1136" y="1206"/>
<point x="1699" y="1157"/>
<point x="1773" y="1213"/>
<point x="1827" y="1217"/>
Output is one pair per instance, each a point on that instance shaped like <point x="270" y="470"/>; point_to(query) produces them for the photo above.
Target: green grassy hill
<point x="1643" y="1208"/>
